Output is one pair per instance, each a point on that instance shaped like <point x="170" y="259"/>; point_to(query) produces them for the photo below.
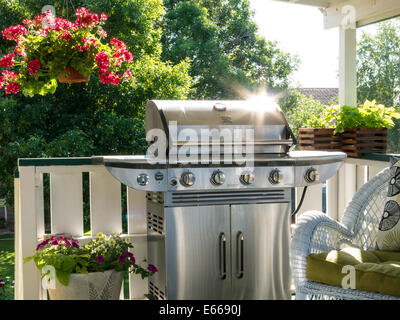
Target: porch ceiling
<point x="362" y="12"/>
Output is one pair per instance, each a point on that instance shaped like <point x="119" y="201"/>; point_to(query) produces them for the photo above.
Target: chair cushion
<point x="388" y="235"/>
<point x="376" y="271"/>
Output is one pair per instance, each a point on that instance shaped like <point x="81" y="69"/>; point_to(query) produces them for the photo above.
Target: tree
<point x="90" y="119"/>
<point x="220" y="37"/>
<point x="379" y="71"/>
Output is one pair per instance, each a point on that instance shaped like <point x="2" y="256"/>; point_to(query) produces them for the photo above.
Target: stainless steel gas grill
<point x="219" y="209"/>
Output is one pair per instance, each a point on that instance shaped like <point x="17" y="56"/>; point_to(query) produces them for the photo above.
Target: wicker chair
<point x="316" y="232"/>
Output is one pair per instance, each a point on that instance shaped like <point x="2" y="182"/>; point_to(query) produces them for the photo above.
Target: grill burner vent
<point x="247" y="196"/>
<point x="155" y="222"/>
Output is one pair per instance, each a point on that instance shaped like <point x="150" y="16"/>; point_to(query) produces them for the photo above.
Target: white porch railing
<point x="66" y="207"/>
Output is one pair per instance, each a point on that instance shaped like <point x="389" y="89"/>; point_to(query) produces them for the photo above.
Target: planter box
<point x="319" y="139"/>
<point x="354" y="142"/>
<point x="359" y="141"/>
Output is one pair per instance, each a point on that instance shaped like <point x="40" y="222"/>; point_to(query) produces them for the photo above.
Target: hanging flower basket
<point x="72" y="76"/>
<point x="51" y="50"/>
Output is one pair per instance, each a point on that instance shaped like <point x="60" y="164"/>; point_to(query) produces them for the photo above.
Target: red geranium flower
<point x="7" y="61"/>
<point x="33" y="67"/>
<point x="12" y="87"/>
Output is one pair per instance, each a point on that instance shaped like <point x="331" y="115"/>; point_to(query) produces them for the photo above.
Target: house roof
<point x="324" y="95"/>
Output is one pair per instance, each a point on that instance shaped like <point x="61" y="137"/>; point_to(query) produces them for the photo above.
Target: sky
<point x="299" y="30"/>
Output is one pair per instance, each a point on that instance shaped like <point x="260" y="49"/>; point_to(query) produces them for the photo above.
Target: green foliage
<point x="379" y="71"/>
<point x="368" y="115"/>
<point x="100" y="254"/>
<point x="91" y="118"/>
<point x="7" y="267"/>
<point x="220" y="37"/>
<point x="301" y="111"/>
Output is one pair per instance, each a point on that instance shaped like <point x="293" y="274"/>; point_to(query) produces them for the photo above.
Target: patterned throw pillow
<point x="388" y="236"/>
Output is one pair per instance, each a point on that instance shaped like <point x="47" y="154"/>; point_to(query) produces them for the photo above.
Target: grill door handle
<point x="222" y="256"/>
<point x="239" y="255"/>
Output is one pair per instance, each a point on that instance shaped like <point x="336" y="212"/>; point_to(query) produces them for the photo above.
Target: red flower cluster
<point x="85" y="18"/>
<point x="87" y="44"/>
<point x="13" y="33"/>
<point x="7" y="61"/>
<point x="102" y="61"/>
<point x="121" y="52"/>
<point x="7" y="80"/>
<point x="33" y="67"/>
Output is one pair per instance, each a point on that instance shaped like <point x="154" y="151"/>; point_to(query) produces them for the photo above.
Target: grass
<point x="7" y="267"/>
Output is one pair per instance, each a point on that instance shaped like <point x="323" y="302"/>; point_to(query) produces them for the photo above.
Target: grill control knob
<point x="218" y="178"/>
<point x="143" y="179"/>
<point x="187" y="179"/>
<point x="312" y="175"/>
<point x="247" y="178"/>
<point x="275" y="177"/>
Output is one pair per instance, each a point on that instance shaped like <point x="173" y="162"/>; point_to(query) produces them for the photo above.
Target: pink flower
<point x="85" y="18"/>
<point x="102" y="33"/>
<point x="66" y="36"/>
<point x="128" y="56"/>
<point x="100" y="259"/>
<point x="12" y="87"/>
<point x="74" y="243"/>
<point x="103" y="17"/>
<point x="152" y="268"/>
<point x="127" y="74"/>
<point x="102" y="61"/>
<point x="42" y="244"/>
<point x="14" y="32"/>
<point x="109" y="78"/>
<point x="7" y="61"/>
<point x="18" y="50"/>
<point x="33" y="67"/>
<point x="121" y="258"/>
<point x="9" y="75"/>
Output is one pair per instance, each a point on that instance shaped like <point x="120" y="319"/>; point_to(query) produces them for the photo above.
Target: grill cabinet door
<point x="198" y="252"/>
<point x="260" y="251"/>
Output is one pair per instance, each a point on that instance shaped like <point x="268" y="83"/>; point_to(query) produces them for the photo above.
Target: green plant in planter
<point x="47" y="47"/>
<point x="105" y="252"/>
<point x="368" y="115"/>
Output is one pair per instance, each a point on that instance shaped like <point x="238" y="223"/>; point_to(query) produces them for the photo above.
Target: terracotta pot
<point x="92" y="286"/>
<point x="74" y="76"/>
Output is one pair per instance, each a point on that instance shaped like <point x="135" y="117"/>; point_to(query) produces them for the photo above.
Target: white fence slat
<point x="105" y="203"/>
<point x="373" y="171"/>
<point x="138" y="287"/>
<point x="18" y="288"/>
<point x="66" y="203"/>
<point x="312" y="199"/>
<point x="332" y="197"/>
<point x="27" y="277"/>
<point x="361" y="176"/>
<point x="137" y="224"/>
<point x="40" y="206"/>
<point x="136" y="206"/>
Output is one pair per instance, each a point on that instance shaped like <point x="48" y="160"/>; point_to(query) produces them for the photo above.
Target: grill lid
<point x="187" y="122"/>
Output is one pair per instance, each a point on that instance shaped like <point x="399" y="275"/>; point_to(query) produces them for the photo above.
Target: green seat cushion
<point x="376" y="271"/>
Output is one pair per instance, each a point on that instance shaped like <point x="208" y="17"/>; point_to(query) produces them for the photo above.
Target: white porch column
<point x="341" y="188"/>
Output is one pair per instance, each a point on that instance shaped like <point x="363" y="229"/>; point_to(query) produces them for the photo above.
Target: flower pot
<point x="73" y="77"/>
<point x="92" y="286"/>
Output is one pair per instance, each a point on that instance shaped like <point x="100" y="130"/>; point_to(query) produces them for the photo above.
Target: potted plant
<point x="89" y="272"/>
<point x="49" y="50"/>
<point x="355" y="130"/>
